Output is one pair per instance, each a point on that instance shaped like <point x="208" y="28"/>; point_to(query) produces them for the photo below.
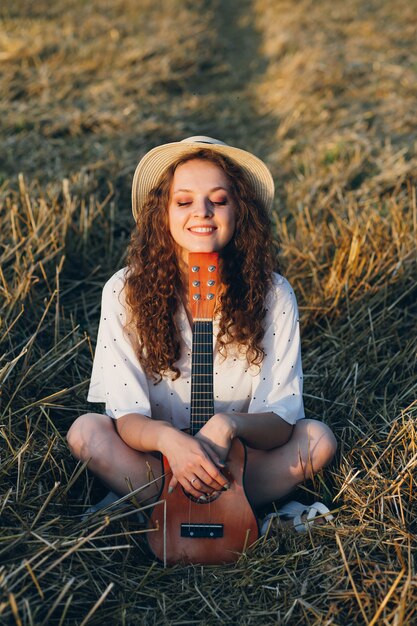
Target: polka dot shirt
<point x="119" y="381"/>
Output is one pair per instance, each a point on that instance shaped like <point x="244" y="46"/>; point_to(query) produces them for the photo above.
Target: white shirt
<point x="119" y="381"/>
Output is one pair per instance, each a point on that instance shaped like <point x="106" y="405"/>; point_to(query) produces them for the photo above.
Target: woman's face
<point x="201" y="210"/>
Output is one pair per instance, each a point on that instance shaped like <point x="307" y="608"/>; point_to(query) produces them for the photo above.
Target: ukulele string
<point x="206" y="362"/>
<point x="202" y="372"/>
<point x="192" y="407"/>
<point x="194" y="395"/>
<point x="210" y="358"/>
<point x="207" y="367"/>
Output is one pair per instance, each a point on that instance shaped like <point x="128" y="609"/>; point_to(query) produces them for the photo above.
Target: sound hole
<point x="208" y="499"/>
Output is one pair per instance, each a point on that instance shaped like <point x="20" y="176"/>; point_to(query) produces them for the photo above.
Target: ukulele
<point x="183" y="529"/>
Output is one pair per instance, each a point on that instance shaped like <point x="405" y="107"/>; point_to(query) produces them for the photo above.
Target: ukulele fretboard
<point x="202" y="403"/>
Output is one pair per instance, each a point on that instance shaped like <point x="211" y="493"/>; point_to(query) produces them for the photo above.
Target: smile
<point x="202" y="229"/>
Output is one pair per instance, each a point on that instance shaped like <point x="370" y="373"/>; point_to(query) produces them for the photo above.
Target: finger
<point x="212" y="454"/>
<point x="218" y="453"/>
<point x="191" y="489"/>
<point x="172" y="484"/>
<point x="217" y="481"/>
<point x="200" y="486"/>
<point x="212" y="476"/>
<point x="208" y="484"/>
<point x="214" y="457"/>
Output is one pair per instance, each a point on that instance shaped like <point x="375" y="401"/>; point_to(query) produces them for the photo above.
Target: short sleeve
<point x="279" y="385"/>
<point x="117" y="378"/>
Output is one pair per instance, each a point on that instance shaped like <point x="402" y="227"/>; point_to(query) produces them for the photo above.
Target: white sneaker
<point x="293" y="511"/>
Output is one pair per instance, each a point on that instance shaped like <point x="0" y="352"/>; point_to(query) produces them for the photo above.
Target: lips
<point x="202" y="230"/>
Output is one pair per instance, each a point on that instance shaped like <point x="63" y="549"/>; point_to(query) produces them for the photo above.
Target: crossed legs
<point x="270" y="474"/>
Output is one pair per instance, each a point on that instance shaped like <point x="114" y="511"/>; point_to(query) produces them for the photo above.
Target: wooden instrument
<point x="182" y="528"/>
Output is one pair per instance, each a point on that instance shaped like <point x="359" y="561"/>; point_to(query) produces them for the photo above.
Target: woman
<point x="200" y="195"/>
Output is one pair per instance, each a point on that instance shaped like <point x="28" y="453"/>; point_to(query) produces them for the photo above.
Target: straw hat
<point x="156" y="161"/>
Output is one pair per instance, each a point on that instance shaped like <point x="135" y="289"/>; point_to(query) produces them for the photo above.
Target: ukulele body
<point x="182" y="530"/>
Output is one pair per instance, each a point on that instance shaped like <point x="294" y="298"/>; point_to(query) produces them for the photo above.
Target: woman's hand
<point x="194" y="463"/>
<point x="218" y="433"/>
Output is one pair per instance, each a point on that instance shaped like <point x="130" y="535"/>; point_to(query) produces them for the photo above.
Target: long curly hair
<point x="154" y="285"/>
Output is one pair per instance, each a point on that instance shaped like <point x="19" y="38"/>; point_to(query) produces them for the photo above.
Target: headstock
<point x="203" y="283"/>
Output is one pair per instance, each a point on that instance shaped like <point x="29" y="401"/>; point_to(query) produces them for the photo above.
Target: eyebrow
<point x="211" y="190"/>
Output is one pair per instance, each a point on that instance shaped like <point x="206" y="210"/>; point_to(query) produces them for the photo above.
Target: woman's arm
<point x="142" y="433"/>
<point x="188" y="457"/>
<point x="263" y="431"/>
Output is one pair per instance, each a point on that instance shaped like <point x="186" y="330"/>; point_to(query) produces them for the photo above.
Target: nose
<point x="203" y="207"/>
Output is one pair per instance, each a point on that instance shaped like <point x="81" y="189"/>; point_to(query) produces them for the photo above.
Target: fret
<point x="204" y="363"/>
<point x="207" y="396"/>
<point x="202" y="343"/>
<point x="206" y="386"/>
<point x="206" y="409"/>
<point x="200" y="422"/>
<point x="202" y="374"/>
<point x="209" y="385"/>
<point x="203" y="407"/>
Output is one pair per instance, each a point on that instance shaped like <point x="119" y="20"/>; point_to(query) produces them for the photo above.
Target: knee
<point x="76" y="435"/>
<point x="321" y="443"/>
<point x="81" y="435"/>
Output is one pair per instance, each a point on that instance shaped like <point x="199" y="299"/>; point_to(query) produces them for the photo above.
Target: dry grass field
<point x="326" y="93"/>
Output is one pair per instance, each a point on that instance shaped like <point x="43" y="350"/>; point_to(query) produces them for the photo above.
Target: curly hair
<point x="154" y="285"/>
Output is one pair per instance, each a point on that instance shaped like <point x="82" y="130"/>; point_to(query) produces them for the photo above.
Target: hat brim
<point x="157" y="160"/>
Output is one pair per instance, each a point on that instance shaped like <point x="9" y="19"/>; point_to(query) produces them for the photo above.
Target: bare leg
<point x="272" y="474"/>
<point x="93" y="436"/>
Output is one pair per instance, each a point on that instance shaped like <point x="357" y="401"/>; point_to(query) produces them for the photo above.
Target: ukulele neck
<point x="203" y="286"/>
<point x="202" y="399"/>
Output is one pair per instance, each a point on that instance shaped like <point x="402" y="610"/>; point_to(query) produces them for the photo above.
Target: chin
<point x="203" y="246"/>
